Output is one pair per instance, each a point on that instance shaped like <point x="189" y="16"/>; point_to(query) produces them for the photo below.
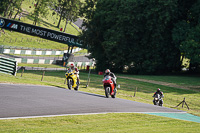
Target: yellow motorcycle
<point x="72" y="80"/>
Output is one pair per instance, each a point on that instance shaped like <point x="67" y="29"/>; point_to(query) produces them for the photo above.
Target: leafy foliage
<point x="40" y="9"/>
<point x="132" y="34"/>
<point x="67" y="9"/>
<point x="8" y="6"/>
<point x="187" y="32"/>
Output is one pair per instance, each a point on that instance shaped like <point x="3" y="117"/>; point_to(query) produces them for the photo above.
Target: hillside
<point x="9" y="38"/>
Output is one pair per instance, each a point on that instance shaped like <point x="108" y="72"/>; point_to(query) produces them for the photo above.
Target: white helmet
<point x="107" y="71"/>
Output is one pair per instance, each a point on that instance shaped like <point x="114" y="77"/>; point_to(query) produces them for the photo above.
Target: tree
<point x="68" y="10"/>
<point x="71" y="12"/>
<point x="40" y="9"/>
<point x="19" y="8"/>
<point x="186" y="32"/>
<point x="132" y="34"/>
<point x="8" y="6"/>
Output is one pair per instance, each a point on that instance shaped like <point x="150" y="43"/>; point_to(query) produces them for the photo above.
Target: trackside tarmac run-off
<point x="30" y="101"/>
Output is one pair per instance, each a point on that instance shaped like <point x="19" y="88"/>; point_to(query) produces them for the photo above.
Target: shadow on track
<point x="96" y="95"/>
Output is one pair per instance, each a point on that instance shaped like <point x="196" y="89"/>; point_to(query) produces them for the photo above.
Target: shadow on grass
<point x="47" y="24"/>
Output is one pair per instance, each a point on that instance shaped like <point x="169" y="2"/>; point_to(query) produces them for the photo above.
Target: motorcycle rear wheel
<point x="107" y="91"/>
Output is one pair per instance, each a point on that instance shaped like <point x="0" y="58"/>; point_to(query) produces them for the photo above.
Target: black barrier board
<point x="45" y="33"/>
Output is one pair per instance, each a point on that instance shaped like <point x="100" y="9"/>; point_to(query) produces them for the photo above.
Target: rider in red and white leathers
<point x="108" y="72"/>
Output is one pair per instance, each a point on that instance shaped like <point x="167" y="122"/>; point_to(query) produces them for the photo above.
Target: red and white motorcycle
<point x="109" y="87"/>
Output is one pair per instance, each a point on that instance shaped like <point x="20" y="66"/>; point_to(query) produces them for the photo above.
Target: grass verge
<point x="101" y="123"/>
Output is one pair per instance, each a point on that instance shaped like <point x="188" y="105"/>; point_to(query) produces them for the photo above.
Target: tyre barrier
<point x="8" y="66"/>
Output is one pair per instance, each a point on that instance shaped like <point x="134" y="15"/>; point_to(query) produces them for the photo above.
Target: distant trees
<point x="8" y="7"/>
<point x="68" y="10"/>
<point x="141" y="35"/>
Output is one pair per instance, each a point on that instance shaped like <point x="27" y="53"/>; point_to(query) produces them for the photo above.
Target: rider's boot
<point x="78" y="81"/>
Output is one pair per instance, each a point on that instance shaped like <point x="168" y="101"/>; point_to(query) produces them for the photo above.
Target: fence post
<point x="135" y="92"/>
<point x="43" y="75"/>
<point x="22" y="71"/>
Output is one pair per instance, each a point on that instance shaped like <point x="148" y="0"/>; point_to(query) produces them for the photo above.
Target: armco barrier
<point x="8" y="66"/>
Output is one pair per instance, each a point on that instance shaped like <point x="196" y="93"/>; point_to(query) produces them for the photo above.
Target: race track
<point x="32" y="100"/>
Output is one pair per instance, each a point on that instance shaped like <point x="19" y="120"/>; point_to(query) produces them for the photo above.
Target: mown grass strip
<point x="101" y="123"/>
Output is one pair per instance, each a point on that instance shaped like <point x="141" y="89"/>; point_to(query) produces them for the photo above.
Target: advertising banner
<point x="45" y="33"/>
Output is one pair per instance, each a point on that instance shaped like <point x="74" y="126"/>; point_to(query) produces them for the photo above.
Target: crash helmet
<point x="158" y="90"/>
<point x="107" y="71"/>
<point x="72" y="65"/>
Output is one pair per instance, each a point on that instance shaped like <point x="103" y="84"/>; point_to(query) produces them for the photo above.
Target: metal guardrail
<point x="8" y="66"/>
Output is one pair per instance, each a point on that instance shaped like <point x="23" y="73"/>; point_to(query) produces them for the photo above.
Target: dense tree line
<point x="139" y="36"/>
<point x="143" y="36"/>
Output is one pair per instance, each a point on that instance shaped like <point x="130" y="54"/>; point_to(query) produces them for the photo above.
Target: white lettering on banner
<point x="14" y="26"/>
<point x="22" y="27"/>
<point x="68" y="39"/>
<point x="72" y="40"/>
<point x="46" y="34"/>
<point x="58" y="37"/>
<point x="49" y="34"/>
<point x="39" y="32"/>
<point x="61" y="37"/>
<point x="28" y="29"/>
<point x="65" y="38"/>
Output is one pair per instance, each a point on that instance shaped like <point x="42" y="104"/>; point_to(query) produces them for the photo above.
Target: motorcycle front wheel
<point x="76" y="88"/>
<point x="107" y="91"/>
<point x="69" y="84"/>
<point x="160" y="103"/>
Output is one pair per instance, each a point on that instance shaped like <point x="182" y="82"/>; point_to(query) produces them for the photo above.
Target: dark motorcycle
<point x="158" y="100"/>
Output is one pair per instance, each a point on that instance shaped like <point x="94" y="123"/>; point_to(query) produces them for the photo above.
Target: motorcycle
<point x="72" y="80"/>
<point x="109" y="87"/>
<point x="158" y="100"/>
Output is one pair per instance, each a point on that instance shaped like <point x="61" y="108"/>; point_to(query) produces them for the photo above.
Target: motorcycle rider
<point x="113" y="77"/>
<point x="161" y="95"/>
<point x="73" y="68"/>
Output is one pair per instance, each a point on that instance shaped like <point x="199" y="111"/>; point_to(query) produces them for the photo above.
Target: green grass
<point x="185" y="80"/>
<point x="16" y="39"/>
<point x="102" y="123"/>
<point x="40" y="65"/>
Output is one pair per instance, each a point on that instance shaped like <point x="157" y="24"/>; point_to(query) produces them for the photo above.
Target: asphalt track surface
<point x="32" y="100"/>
